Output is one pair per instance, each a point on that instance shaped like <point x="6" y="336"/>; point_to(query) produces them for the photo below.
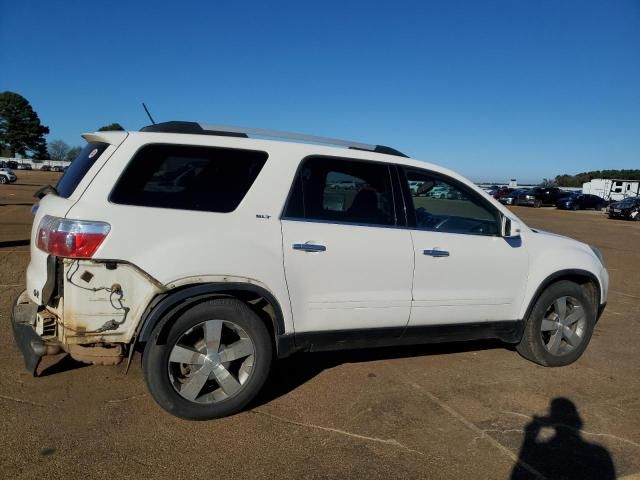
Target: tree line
<point x="578" y="179"/>
<point x="22" y="133"/>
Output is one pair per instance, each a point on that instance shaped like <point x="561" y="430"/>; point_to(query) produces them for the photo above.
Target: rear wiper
<point x="45" y="190"/>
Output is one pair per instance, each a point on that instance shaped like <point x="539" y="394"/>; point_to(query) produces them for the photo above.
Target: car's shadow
<point x="290" y="373"/>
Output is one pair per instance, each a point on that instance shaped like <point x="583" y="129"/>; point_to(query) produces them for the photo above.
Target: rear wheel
<point x="3" y="180"/>
<point x="559" y="327"/>
<point x="214" y="361"/>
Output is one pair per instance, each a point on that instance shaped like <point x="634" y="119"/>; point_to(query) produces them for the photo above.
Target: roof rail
<point x="228" y="131"/>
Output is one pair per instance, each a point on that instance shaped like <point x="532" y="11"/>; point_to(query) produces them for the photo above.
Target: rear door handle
<point x="309" y="247"/>
<point x="436" y="253"/>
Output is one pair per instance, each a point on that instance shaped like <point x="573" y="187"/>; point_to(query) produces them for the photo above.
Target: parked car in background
<point x="45" y="168"/>
<point x="548" y="195"/>
<point x="629" y="209"/>
<point x="57" y="169"/>
<point x="581" y="201"/>
<point x="11" y="164"/>
<point x="7" y="175"/>
<point x="24" y="166"/>
<point x="502" y="191"/>
<point x="521" y="196"/>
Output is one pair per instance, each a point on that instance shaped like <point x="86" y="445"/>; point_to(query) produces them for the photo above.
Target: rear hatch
<point x="57" y="201"/>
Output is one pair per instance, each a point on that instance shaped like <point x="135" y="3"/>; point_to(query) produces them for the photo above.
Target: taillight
<point x="70" y="238"/>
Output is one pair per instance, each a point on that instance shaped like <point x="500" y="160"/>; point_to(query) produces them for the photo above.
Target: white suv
<point x="214" y="252"/>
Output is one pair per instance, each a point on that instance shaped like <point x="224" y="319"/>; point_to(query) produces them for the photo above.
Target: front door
<point x="464" y="270"/>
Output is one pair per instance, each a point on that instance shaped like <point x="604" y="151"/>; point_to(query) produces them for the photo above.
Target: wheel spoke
<point x="186" y="355"/>
<point x="560" y="306"/>
<point x="574" y="316"/>
<point x="572" y="337"/>
<point x="212" y="330"/>
<point x="548" y="325"/>
<point x="240" y="349"/>
<point x="226" y="381"/>
<point x="554" y="342"/>
<point x="193" y="385"/>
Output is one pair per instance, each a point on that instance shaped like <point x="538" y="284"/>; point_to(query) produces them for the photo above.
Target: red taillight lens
<point x="70" y="238"/>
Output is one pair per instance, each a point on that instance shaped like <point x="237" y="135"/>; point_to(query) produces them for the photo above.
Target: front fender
<point x="552" y="259"/>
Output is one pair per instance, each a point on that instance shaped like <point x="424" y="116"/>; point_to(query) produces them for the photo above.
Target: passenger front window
<point x="340" y="190"/>
<point x="444" y="205"/>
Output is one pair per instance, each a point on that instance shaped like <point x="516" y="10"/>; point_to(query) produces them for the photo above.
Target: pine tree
<point x="20" y="127"/>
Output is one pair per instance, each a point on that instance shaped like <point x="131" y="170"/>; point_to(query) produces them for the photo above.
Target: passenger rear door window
<point x="342" y="191"/>
<point x="184" y="177"/>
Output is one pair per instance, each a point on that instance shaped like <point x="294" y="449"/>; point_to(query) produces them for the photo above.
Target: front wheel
<point x="212" y="361"/>
<point x="3" y="180"/>
<point x="559" y="327"/>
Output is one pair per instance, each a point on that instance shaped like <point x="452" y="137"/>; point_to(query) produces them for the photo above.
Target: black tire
<point x="3" y="180"/>
<point x="575" y="207"/>
<point x="532" y="344"/>
<point x="156" y="359"/>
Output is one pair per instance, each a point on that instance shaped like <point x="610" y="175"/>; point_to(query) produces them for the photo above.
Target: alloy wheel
<point x="563" y="325"/>
<point x="211" y="361"/>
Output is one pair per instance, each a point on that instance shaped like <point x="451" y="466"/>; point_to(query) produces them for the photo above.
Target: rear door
<point x="348" y="258"/>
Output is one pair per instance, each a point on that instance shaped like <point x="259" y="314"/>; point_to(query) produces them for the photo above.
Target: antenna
<point x="148" y="114"/>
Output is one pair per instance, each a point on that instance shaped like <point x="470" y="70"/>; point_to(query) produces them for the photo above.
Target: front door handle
<point x="309" y="247"/>
<point x="436" y="253"/>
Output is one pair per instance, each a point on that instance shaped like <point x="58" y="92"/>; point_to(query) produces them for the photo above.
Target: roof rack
<point x="228" y="131"/>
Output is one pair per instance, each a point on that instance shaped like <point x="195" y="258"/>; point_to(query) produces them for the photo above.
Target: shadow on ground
<point x="290" y="373"/>
<point x="64" y="364"/>
<point x="554" y="448"/>
<point x="14" y="243"/>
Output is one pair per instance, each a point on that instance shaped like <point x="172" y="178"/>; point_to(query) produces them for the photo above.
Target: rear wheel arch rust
<point x="166" y="310"/>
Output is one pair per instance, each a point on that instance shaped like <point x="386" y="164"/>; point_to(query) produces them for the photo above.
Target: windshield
<point x="79" y="168"/>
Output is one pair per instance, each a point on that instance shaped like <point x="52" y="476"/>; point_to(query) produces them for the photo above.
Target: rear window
<point x="79" y="168"/>
<point x="185" y="177"/>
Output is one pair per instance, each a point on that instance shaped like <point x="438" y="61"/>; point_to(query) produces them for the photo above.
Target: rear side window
<point x="342" y="191"/>
<point x="79" y="168"/>
<point x="188" y="177"/>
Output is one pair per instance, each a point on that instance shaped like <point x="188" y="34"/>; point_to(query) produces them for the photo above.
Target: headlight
<point x="597" y="253"/>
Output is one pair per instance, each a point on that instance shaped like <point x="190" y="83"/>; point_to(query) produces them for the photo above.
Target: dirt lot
<point x="453" y="411"/>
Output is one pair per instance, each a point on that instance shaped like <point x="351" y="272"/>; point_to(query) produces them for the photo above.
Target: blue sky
<point x="492" y="89"/>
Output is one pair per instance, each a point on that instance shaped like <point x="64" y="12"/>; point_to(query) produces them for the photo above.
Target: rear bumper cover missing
<point x="23" y="319"/>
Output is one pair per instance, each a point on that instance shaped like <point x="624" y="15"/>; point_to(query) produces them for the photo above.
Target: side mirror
<point x="510" y="228"/>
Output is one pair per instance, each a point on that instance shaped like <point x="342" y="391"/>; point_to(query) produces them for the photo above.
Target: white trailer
<point x="612" y="189"/>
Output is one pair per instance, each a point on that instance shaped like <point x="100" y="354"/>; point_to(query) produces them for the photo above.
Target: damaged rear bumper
<point x="23" y="320"/>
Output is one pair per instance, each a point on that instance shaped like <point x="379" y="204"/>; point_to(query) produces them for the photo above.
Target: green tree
<point x="578" y="179"/>
<point x="20" y="127"/>
<point x="41" y="151"/>
<point x="58" y="150"/>
<point x="110" y="127"/>
<point x="73" y="153"/>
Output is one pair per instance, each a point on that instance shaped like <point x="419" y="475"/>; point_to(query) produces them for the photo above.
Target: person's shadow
<point x="554" y="449"/>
